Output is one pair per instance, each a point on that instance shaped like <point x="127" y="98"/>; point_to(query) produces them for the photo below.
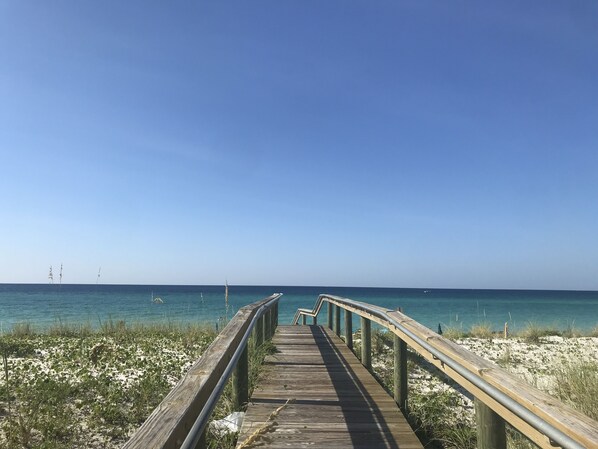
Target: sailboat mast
<point x="226" y="297"/>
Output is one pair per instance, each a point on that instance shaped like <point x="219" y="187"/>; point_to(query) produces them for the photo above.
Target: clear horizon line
<point x="303" y="286"/>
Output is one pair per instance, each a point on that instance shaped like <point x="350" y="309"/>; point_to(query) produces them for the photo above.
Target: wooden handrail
<point x="170" y="423"/>
<point x="543" y="419"/>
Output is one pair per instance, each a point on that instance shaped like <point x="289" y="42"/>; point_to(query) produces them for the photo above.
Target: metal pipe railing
<point x="532" y="419"/>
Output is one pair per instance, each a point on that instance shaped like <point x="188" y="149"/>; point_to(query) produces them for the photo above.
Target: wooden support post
<point x="303" y="322"/>
<point x="258" y="332"/>
<point x="330" y="308"/>
<point x="349" y="329"/>
<point x="241" y="382"/>
<point x="400" y="374"/>
<point x="337" y="320"/>
<point x="202" y="444"/>
<point x="267" y="323"/>
<point x="366" y="343"/>
<point x="272" y="320"/>
<point x="491" y="427"/>
<point x="315" y="321"/>
<point x="276" y="314"/>
<point x="334" y="307"/>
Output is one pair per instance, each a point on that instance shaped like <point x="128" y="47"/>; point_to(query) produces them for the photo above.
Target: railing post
<point x="258" y="332"/>
<point x="267" y="323"/>
<point x="337" y="320"/>
<point x="491" y="427"/>
<point x="349" y="329"/>
<point x="315" y="320"/>
<point x="400" y="373"/>
<point x="366" y="343"/>
<point x="202" y="444"/>
<point x="330" y="308"/>
<point x="241" y="381"/>
<point x="272" y="321"/>
<point x="303" y="322"/>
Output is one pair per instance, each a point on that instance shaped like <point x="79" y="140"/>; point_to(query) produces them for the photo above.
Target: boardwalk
<point x="331" y="400"/>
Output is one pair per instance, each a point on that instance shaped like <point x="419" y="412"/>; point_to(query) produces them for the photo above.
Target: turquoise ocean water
<point x="44" y="305"/>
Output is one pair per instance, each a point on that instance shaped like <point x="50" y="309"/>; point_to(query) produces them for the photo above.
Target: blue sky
<point x="407" y="144"/>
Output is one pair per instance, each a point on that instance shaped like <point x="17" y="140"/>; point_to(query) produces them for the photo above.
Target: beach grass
<point x="109" y="327"/>
<point x="453" y="333"/>
<point x="481" y="330"/>
<point x="577" y="385"/>
<point x="532" y="332"/>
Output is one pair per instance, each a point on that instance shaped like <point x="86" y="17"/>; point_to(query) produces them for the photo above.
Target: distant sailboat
<point x="157" y="299"/>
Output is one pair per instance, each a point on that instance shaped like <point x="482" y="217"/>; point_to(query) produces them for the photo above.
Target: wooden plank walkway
<point x="334" y="401"/>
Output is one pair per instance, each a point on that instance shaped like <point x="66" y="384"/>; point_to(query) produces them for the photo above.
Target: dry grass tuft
<point x="577" y="385"/>
<point x="533" y="332"/>
<point x="481" y="330"/>
<point x="453" y="333"/>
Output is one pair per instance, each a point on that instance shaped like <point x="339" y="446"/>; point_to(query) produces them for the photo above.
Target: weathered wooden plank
<point x="335" y="401"/>
<point x="333" y="439"/>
